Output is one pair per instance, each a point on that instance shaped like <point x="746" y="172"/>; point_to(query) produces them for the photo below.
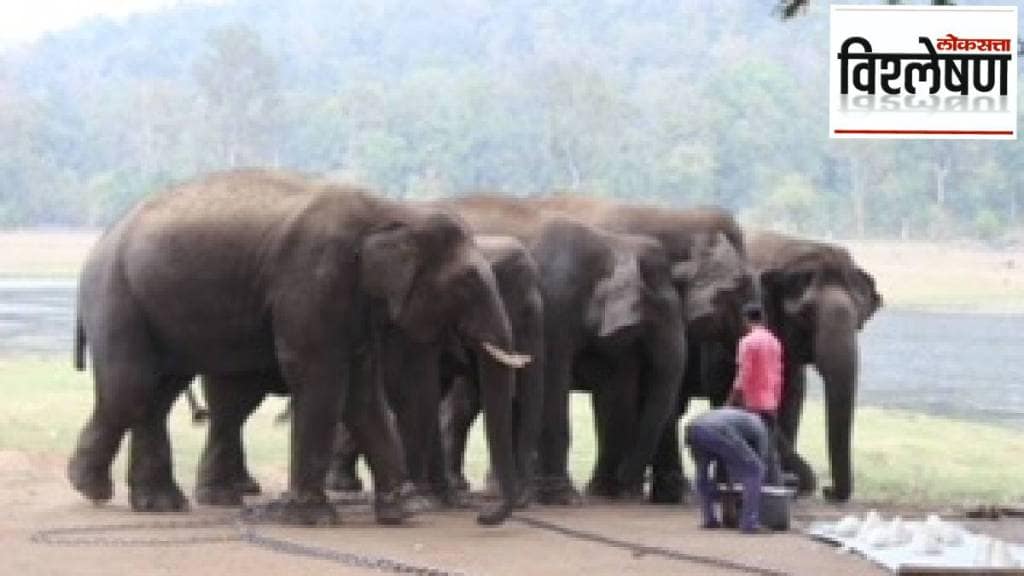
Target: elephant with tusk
<point x="258" y="279"/>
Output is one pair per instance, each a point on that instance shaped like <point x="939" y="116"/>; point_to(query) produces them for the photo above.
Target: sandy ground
<point x="44" y="252"/>
<point x="36" y="498"/>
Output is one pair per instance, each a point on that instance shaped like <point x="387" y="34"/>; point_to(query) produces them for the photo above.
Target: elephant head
<point x="715" y="282"/>
<point x="434" y="281"/>
<point x="816" y="301"/>
<point x="634" y="301"/>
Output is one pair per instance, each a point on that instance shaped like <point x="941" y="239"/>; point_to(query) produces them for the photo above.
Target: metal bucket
<point x="774" y="508"/>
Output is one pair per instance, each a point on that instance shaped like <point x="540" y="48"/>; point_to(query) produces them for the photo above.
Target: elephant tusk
<point x="510" y="359"/>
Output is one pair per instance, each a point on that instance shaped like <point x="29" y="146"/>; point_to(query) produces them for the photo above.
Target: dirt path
<point x="37" y="502"/>
<point x="36" y="499"/>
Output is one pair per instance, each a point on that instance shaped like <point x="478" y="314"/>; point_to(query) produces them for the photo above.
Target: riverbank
<point x="944" y="277"/>
<point x="910" y="276"/>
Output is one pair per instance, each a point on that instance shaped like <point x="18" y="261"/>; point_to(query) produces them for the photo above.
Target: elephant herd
<point x="402" y="320"/>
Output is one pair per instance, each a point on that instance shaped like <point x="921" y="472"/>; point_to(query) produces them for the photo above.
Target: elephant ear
<point x="685" y="271"/>
<point x="388" y="263"/>
<point x="864" y="294"/>
<point x="616" y="301"/>
<point x="789" y="293"/>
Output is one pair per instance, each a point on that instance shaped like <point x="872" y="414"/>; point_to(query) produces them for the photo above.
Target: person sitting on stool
<point x="740" y="441"/>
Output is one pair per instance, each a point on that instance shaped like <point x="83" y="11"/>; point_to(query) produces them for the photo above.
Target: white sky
<point x="25" y="20"/>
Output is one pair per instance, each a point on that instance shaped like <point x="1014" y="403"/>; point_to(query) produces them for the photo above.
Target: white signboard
<point x="935" y="72"/>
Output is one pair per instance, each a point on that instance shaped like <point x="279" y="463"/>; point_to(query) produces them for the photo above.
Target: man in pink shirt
<point x="758" y="385"/>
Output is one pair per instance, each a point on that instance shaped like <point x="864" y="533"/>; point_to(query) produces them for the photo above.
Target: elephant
<point x="263" y="275"/>
<point x="610" y="302"/>
<point x="707" y="255"/>
<point x="450" y="374"/>
<point x="815" y="300"/>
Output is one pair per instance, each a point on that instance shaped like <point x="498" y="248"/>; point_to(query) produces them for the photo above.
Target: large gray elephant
<point x="520" y="287"/>
<point x="612" y="327"/>
<point x="815" y="300"/>
<point x="611" y="307"/>
<point x="706" y="252"/>
<point x="435" y="372"/>
<point x="254" y="275"/>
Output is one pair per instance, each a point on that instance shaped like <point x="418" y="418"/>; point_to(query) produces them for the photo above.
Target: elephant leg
<point x="555" y="486"/>
<point x="529" y="399"/>
<point x="669" y="484"/>
<point x="459" y="410"/>
<point x="717" y="371"/>
<point x="125" y="373"/>
<point x="151" y="477"/>
<point x="411" y="374"/>
<point x="790" y="411"/>
<point x="342" y="475"/>
<point x="223" y="478"/>
<point x="89" y="466"/>
<point x="317" y="379"/>
<point x="616" y="410"/>
<point x="368" y="420"/>
<point x="436" y="477"/>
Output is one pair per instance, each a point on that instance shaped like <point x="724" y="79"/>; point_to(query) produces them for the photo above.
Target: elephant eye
<point x="461" y="282"/>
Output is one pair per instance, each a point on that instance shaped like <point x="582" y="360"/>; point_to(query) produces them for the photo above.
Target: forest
<point x="680" y="103"/>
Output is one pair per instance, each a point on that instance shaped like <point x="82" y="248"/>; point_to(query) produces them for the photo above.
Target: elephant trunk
<point x="490" y="335"/>
<point x="496" y="385"/>
<point x="666" y="344"/>
<point x="836" y="358"/>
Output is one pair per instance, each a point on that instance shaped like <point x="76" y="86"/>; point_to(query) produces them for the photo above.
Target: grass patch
<point x="899" y="456"/>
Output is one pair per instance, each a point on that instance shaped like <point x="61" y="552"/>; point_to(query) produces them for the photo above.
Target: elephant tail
<point x="79" y="344"/>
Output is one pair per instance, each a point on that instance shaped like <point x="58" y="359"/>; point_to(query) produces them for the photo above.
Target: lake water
<point x="969" y="366"/>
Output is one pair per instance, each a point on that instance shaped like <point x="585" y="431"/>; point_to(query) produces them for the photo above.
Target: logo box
<point x="923" y="72"/>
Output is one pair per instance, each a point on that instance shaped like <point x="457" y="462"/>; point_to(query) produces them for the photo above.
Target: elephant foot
<point x="526" y="497"/>
<point x="494" y="514"/>
<point x="835" y="495"/>
<point x="249" y="485"/>
<point x="669" y="488"/>
<point x="339" y="481"/>
<point x="213" y="495"/>
<point x="429" y="497"/>
<point x="806" y="481"/>
<point x="602" y="487"/>
<point x="558" y="491"/>
<point x="458" y="498"/>
<point x="293" y="510"/>
<point x="163" y="497"/>
<point x="608" y="487"/>
<point x="390" y="508"/>
<point x="458" y="482"/>
<point x="97" y="486"/>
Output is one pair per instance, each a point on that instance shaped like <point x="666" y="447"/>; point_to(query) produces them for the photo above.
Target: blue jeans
<point x="741" y="464"/>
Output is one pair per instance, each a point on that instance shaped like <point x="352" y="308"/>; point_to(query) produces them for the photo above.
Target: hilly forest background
<point x="677" y="102"/>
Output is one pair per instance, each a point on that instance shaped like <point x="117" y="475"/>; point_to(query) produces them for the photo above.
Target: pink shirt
<point x="759" y="370"/>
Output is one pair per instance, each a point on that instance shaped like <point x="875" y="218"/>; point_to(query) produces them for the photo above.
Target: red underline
<point x="957" y="132"/>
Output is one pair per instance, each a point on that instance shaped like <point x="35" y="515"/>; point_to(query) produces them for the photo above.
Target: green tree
<point x="240" y="88"/>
